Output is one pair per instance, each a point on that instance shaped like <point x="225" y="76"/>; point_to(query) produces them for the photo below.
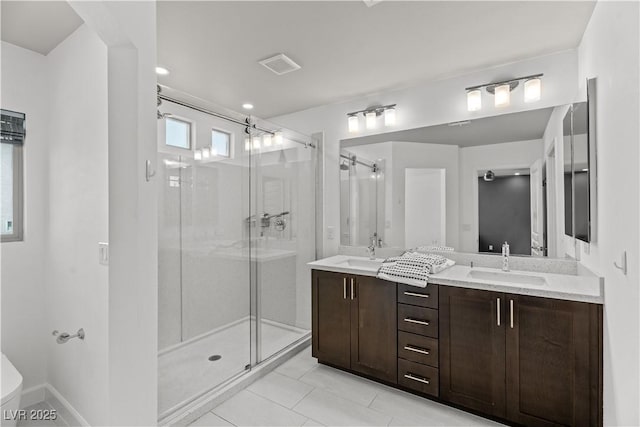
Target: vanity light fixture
<point x="247" y="144"/>
<point x="206" y="153"/>
<point x="474" y="100"/>
<point x="390" y="117"/>
<point x="278" y="138"/>
<point x="532" y="89"/>
<point x="371" y="115"/>
<point x="502" y="95"/>
<point x="197" y="155"/>
<point x="255" y="142"/>
<point x="502" y="91"/>
<point x="266" y="140"/>
<point x="353" y="123"/>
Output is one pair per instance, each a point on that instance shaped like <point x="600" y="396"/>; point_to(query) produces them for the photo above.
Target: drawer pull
<point x="419" y="322"/>
<point x="344" y="288"/>
<point x="415" y="294"/>
<point x="410" y="376"/>
<point x="416" y="349"/>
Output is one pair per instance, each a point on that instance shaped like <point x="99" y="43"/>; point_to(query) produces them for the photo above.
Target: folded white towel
<point x="412" y="268"/>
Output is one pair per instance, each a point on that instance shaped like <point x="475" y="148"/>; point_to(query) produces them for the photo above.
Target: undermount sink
<point x="516" y="278"/>
<point x="362" y="264"/>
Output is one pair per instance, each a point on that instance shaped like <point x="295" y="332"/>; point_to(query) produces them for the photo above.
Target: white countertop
<point x="558" y="286"/>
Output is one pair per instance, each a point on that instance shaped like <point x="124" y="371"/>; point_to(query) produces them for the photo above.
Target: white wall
<point x="610" y="51"/>
<point x="77" y="285"/>
<point x="520" y="154"/>
<point x="435" y="102"/>
<point x="24" y="326"/>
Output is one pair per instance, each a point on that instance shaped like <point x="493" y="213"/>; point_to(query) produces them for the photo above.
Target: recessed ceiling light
<point x="247" y="106"/>
<point x="161" y="71"/>
<point x="517" y="174"/>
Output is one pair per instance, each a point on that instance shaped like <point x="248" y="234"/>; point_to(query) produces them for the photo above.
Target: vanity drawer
<point x="424" y="297"/>
<point x="418" y="320"/>
<point x="418" y="377"/>
<point x="417" y="348"/>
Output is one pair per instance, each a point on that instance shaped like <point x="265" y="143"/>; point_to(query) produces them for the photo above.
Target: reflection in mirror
<point x="361" y="199"/>
<point x="434" y="192"/>
<point x="581" y="171"/>
<point x="568" y="175"/>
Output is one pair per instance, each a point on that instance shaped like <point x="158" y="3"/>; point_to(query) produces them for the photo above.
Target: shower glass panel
<point x="283" y="236"/>
<point x="204" y="330"/>
<point x="236" y="229"/>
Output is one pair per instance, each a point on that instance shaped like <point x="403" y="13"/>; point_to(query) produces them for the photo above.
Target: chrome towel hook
<point x="65" y="336"/>
<point x="623" y="262"/>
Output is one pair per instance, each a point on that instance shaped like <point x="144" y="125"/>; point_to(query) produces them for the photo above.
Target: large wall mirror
<point x="469" y="185"/>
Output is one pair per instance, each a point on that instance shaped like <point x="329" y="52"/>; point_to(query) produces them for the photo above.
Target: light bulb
<point x="503" y="95"/>
<point x="161" y="71"/>
<point x="370" y="119"/>
<point x="266" y="140"/>
<point x="197" y="155"/>
<point x="214" y="152"/>
<point x="353" y="124"/>
<point x="247" y="144"/>
<point x="278" y="138"/>
<point x="390" y="117"/>
<point x="532" y="89"/>
<point x="474" y="100"/>
<point x="255" y="142"/>
<point x="206" y="153"/>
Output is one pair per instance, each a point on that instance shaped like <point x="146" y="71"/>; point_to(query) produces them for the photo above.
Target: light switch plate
<point x="103" y="253"/>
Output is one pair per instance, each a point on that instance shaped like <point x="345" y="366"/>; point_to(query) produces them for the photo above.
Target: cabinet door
<point x="472" y="349"/>
<point x="373" y="328"/>
<point x="553" y="362"/>
<point x="331" y="330"/>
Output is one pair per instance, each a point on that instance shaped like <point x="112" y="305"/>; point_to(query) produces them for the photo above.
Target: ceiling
<point x="347" y="49"/>
<point x="37" y="25"/>
<point x="523" y="126"/>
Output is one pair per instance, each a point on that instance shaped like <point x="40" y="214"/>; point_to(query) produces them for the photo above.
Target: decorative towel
<point x="412" y="268"/>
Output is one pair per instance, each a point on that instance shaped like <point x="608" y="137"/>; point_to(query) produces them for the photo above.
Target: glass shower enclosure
<point x="236" y="229"/>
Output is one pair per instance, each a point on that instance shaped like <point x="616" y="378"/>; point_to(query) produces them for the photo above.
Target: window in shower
<point x="220" y="143"/>
<point x="178" y="133"/>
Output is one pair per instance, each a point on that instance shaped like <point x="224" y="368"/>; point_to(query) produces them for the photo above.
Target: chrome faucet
<point x="505" y="256"/>
<point x="372" y="248"/>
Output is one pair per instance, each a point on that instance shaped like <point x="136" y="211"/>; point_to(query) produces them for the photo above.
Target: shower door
<point x="204" y="256"/>
<point x="283" y="238"/>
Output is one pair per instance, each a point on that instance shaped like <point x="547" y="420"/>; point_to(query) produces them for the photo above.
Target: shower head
<point x="344" y="166"/>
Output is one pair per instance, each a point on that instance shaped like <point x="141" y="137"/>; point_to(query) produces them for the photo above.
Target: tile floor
<point x="303" y="393"/>
<point x="186" y="372"/>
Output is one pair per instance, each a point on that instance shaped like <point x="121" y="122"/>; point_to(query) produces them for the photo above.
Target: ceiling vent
<point x="280" y="64"/>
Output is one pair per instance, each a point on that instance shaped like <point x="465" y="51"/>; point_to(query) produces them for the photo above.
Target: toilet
<point x="11" y="389"/>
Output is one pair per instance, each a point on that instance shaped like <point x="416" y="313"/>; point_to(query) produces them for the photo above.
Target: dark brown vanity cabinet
<point x="354" y="323"/>
<point x="533" y="361"/>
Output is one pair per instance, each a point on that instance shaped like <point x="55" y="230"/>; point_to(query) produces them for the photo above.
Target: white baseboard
<point x="48" y="393"/>
<point x="32" y="395"/>
<point x="64" y="408"/>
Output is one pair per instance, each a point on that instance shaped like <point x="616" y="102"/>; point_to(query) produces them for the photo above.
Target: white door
<point x="537" y="232"/>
